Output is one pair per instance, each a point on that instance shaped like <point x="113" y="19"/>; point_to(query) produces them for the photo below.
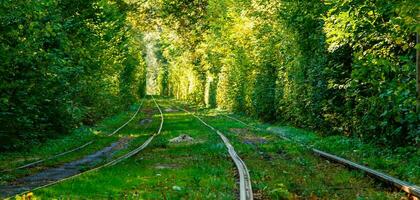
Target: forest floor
<point x="201" y="168"/>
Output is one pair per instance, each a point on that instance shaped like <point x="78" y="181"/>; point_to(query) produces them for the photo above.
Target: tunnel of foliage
<point x="64" y="63"/>
<point x="337" y="67"/>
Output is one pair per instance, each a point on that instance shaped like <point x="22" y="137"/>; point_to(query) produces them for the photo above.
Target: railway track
<point x="76" y="148"/>
<point x="407" y="187"/>
<point x="110" y="163"/>
<point x="245" y="187"/>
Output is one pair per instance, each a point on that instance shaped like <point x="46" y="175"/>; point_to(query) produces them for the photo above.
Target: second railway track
<point x="407" y="187"/>
<point x="110" y="163"/>
<point x="76" y="148"/>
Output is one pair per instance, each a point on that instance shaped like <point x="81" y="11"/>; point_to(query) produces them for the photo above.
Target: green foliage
<point x="340" y="67"/>
<point x="379" y="87"/>
<point x="64" y="63"/>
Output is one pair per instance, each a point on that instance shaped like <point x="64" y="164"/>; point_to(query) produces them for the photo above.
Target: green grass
<point x="401" y="162"/>
<point x="55" y="146"/>
<point x="203" y="169"/>
<point x="198" y="170"/>
<point x="284" y="170"/>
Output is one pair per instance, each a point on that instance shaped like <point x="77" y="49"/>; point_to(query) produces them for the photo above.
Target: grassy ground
<point x="79" y="137"/>
<point x="202" y="169"/>
<point x="195" y="170"/>
<point x="283" y="170"/>
<point x="401" y="162"/>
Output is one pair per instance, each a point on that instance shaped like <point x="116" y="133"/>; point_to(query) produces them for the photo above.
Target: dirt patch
<point x="122" y="144"/>
<point x="248" y="137"/>
<point x="166" y="166"/>
<point x="182" y="138"/>
<point x="239" y="131"/>
<point x="145" y="121"/>
<point x="69" y="169"/>
<point x="147" y="110"/>
<point x="259" y="195"/>
<point x="253" y="139"/>
<point x="171" y="110"/>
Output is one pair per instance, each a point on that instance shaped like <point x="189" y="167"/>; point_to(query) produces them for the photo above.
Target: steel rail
<point x="110" y="163"/>
<point x="76" y="148"/>
<point x="407" y="187"/>
<point x="245" y="186"/>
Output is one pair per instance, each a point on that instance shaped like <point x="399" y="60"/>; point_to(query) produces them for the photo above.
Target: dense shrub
<point x="63" y="63"/>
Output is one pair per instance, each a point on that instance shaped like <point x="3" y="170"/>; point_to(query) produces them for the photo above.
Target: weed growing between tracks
<point x="203" y="170"/>
<point x="401" y="162"/>
<point x="282" y="170"/>
<point x="198" y="170"/>
<point x="55" y="146"/>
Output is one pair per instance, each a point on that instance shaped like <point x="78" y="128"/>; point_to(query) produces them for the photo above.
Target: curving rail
<point x="110" y="163"/>
<point x="76" y="148"/>
<point x="407" y="187"/>
<point x="245" y="187"/>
